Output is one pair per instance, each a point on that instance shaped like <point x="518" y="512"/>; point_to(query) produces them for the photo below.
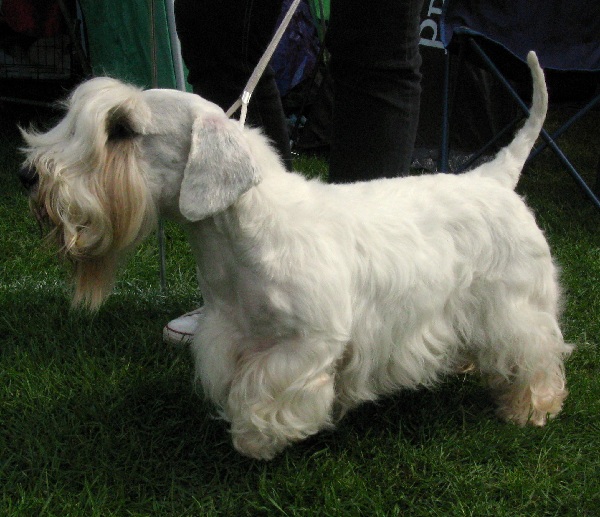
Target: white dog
<point x="317" y="297"/>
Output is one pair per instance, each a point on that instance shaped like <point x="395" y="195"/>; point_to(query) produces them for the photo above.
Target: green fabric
<point x="315" y="9"/>
<point x="120" y="41"/>
<point x="318" y="7"/>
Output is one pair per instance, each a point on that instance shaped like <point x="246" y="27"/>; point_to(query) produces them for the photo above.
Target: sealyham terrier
<point x="317" y="297"/>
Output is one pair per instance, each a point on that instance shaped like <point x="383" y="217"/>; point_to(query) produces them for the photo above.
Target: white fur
<point x="318" y="297"/>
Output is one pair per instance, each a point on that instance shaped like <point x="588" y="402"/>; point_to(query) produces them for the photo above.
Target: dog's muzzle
<point x="29" y="178"/>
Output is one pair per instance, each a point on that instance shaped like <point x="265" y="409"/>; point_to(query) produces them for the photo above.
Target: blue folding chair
<point x="497" y="34"/>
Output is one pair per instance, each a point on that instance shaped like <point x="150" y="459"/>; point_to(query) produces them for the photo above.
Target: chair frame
<point x="549" y="140"/>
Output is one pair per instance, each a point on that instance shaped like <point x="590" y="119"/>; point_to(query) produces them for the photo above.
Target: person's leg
<point x="375" y="64"/>
<point x="221" y="43"/>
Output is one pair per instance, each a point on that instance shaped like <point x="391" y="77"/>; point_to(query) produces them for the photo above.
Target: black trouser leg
<point x="375" y="68"/>
<point x="221" y="43"/>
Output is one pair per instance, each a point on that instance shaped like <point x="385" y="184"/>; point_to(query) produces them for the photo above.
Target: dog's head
<point x="120" y="156"/>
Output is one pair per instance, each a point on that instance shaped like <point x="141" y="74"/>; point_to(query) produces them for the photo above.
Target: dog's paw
<point x="257" y="445"/>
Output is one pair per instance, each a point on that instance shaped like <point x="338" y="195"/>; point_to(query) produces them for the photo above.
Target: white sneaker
<point x="180" y="331"/>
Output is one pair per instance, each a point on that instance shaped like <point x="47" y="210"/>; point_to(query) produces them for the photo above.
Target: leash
<point x="244" y="99"/>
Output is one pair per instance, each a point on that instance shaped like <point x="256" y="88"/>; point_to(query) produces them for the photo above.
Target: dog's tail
<point x="507" y="165"/>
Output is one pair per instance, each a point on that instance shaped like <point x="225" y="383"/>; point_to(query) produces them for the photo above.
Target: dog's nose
<point x="29" y="177"/>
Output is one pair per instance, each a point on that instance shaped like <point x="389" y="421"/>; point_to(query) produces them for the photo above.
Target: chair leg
<point x="448" y="94"/>
<point x="444" y="144"/>
<point x="489" y="145"/>
<point x="581" y="113"/>
<point x="544" y="134"/>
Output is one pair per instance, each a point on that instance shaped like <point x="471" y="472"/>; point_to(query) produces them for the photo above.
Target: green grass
<point x="99" y="418"/>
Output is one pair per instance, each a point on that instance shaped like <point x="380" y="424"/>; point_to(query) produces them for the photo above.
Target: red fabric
<point x="35" y="18"/>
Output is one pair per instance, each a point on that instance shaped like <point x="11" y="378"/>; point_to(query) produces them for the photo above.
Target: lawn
<point x="99" y="418"/>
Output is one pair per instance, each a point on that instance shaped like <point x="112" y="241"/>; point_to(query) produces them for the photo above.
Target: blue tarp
<point x="564" y="34"/>
<point x="296" y="54"/>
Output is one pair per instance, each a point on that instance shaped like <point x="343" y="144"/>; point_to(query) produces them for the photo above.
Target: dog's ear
<point x="219" y="169"/>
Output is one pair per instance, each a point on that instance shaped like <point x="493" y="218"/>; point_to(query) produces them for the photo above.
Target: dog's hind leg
<point x="530" y="399"/>
<point x="524" y="365"/>
<point x="281" y="394"/>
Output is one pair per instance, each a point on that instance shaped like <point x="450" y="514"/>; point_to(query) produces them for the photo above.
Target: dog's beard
<point x="90" y="235"/>
<point x="93" y="280"/>
<point x="92" y="277"/>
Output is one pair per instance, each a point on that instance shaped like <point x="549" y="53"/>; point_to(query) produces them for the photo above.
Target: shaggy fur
<point x="317" y="297"/>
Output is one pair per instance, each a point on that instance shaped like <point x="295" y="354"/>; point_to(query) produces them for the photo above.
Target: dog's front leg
<point x="282" y="394"/>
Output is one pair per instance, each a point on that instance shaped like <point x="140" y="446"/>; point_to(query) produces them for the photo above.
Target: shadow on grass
<point x="97" y="405"/>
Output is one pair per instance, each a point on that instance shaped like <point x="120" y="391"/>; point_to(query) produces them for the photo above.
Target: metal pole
<point x="175" y="46"/>
<point x="161" y="226"/>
